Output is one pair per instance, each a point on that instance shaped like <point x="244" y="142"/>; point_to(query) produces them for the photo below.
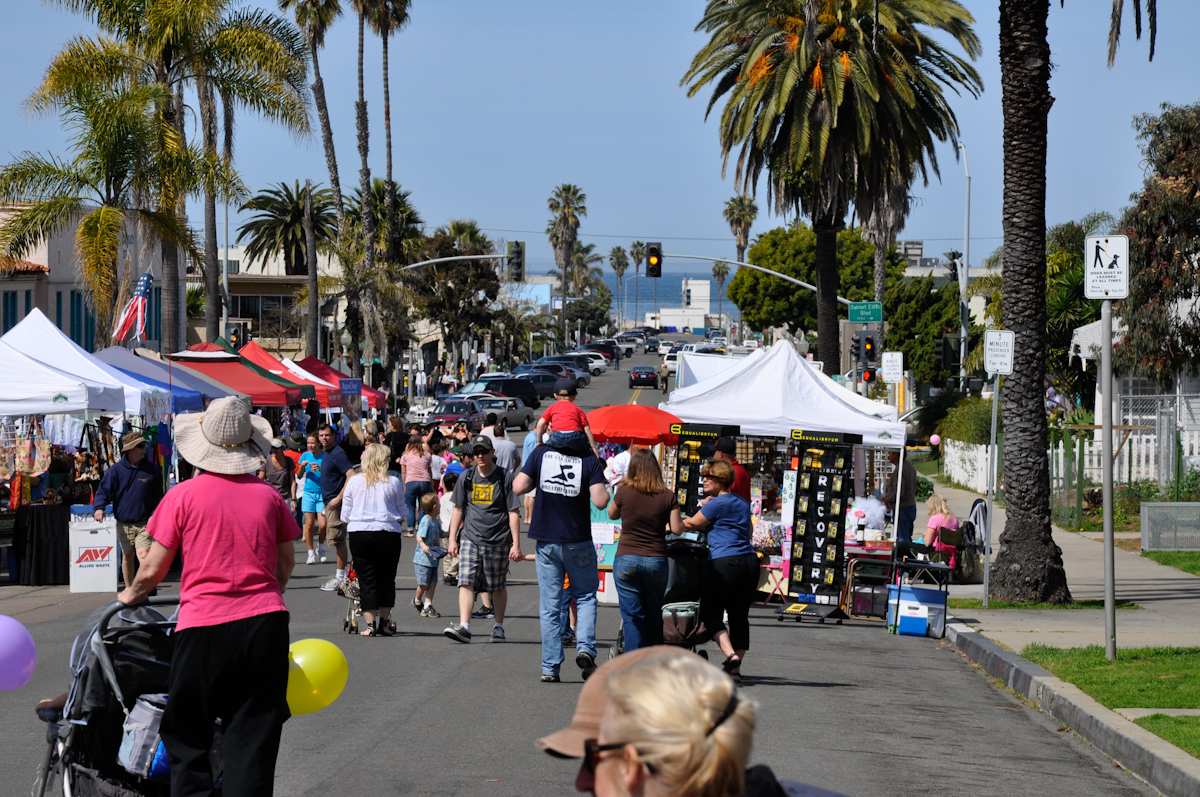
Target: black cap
<point x="482" y="441"/>
<point x="726" y="445"/>
<point x="566" y="391"/>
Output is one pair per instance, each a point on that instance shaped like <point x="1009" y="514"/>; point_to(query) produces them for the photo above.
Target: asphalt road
<point x="850" y="707"/>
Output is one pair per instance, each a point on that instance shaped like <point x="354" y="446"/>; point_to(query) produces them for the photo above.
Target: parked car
<point x="505" y="386"/>
<point x="599" y="363"/>
<point x="494" y="375"/>
<point x="512" y="411"/>
<point x="449" y="413"/>
<point x="651" y="345"/>
<point x="580" y="378"/>
<point x="628" y="345"/>
<point x="643" y="375"/>
<point x="665" y="346"/>
<point x="608" y="348"/>
<point x="472" y="395"/>
<point x="672" y="361"/>
<point x="545" y="383"/>
<point x="420" y="413"/>
<point x="575" y="359"/>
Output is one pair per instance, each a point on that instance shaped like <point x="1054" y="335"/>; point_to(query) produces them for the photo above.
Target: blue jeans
<point x="904" y="523"/>
<point x="641" y="584"/>
<point x="412" y="499"/>
<point x="577" y="560"/>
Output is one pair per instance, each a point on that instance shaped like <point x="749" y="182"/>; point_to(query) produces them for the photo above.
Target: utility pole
<point x="225" y="279"/>
<point x="964" y="274"/>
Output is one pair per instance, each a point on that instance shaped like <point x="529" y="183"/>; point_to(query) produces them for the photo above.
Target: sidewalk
<point x="1170" y="598"/>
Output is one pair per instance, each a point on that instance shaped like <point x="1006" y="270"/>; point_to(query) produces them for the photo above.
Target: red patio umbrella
<point x="632" y="423"/>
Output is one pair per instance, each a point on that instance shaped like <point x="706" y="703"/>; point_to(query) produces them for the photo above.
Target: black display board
<point x="695" y="448"/>
<point x="824" y="486"/>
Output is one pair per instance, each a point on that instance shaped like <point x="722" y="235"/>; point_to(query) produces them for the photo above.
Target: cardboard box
<point x="95" y="557"/>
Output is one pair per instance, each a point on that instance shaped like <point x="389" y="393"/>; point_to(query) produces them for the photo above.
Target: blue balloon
<point x="18" y="654"/>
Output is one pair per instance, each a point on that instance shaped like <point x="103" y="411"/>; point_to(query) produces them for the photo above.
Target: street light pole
<point x="225" y="279"/>
<point x="964" y="273"/>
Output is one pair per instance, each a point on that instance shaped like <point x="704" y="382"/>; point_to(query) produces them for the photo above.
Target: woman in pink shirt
<point x="417" y="477"/>
<point x="941" y="518"/>
<point x="230" y="655"/>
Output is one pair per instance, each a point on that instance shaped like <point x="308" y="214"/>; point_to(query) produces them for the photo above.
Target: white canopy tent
<point x="303" y="374"/>
<point x="39" y="339"/>
<point x="778" y="392"/>
<point x="30" y="388"/>
<point x="694" y="367"/>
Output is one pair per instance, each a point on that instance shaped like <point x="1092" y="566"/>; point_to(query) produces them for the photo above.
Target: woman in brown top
<point x="646" y="508"/>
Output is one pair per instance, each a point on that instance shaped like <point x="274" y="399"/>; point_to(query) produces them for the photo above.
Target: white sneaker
<point x="312" y="557"/>
<point x="331" y="585"/>
<point x="321" y="553"/>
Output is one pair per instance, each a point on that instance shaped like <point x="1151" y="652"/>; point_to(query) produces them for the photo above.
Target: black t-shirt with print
<point x="562" y="507"/>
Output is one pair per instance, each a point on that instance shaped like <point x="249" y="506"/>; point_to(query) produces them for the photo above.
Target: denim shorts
<point x="426" y="575"/>
<point x="312" y="503"/>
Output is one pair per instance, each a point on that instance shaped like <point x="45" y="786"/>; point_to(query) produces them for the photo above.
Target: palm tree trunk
<point x="310" y="256"/>
<point x="318" y="90"/>
<point x="828" y="282"/>
<point x="212" y="276"/>
<point x="880" y="271"/>
<point x="721" y="302"/>
<point x="393" y="238"/>
<point x="368" y="211"/>
<point x="170" y="256"/>
<point x="741" y="253"/>
<point x="636" y="296"/>
<point x="1029" y="564"/>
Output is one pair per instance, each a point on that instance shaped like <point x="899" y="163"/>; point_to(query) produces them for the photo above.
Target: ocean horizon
<point x="666" y="291"/>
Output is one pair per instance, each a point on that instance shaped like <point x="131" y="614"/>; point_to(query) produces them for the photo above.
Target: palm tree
<point x="277" y="228"/>
<point x="585" y="271"/>
<point x="740" y="212"/>
<point x="388" y="17"/>
<point x="568" y="206"/>
<point x="246" y="57"/>
<point x="118" y="152"/>
<point x="637" y="252"/>
<point x="619" y="261"/>
<point x="831" y="99"/>
<point x="720" y="272"/>
<point x="1029" y="564"/>
<point x="882" y="219"/>
<point x="314" y="18"/>
<point x="403" y="228"/>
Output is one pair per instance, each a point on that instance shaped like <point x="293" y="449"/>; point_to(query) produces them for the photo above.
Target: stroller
<point x="350" y="591"/>
<point x="120" y="663"/>
<point x="687" y="557"/>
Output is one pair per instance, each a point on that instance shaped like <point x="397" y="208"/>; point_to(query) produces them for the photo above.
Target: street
<point x="846" y="707"/>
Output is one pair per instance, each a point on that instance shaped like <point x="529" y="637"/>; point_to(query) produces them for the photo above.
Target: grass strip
<point x="1183" y="732"/>
<point x="1187" y="561"/>
<point x="1139" y="678"/>
<point x="977" y="603"/>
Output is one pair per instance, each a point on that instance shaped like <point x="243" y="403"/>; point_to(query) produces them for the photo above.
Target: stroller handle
<point x="117" y="606"/>
<point x="106" y="665"/>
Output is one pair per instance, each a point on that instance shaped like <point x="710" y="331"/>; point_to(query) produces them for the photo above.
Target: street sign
<point x="893" y="367"/>
<point x="1106" y="267"/>
<point x="998" y="346"/>
<point x="866" y="313"/>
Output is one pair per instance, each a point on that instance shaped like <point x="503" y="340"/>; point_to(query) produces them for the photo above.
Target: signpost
<point x="1106" y="277"/>
<point x="892" y="367"/>
<point x="998" y="348"/>
<point x="866" y="312"/>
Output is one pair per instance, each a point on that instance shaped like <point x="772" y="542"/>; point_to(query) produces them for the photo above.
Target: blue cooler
<point x="922" y="610"/>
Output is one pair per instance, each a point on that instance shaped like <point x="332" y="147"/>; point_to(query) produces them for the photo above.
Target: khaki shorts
<point x="335" y="527"/>
<point x="135" y="535"/>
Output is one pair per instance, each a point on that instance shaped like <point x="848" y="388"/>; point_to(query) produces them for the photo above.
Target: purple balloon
<point x="18" y="654"/>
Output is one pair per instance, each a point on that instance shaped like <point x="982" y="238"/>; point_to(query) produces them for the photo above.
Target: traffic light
<point x="233" y="334"/>
<point x="868" y="350"/>
<point x="856" y="348"/>
<point x="516" y="261"/>
<point x="654" y="259"/>
<point x="868" y="376"/>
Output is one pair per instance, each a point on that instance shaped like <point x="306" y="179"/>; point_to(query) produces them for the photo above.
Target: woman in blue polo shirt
<point x="311" y="501"/>
<point x="731" y="580"/>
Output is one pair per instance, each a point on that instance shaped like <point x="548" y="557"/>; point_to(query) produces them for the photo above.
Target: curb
<point x="1160" y="763"/>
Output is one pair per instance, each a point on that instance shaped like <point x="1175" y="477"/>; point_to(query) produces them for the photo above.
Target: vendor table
<point x="40" y="544"/>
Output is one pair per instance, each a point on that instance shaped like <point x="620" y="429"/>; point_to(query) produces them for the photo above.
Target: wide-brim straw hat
<point x="225" y="438"/>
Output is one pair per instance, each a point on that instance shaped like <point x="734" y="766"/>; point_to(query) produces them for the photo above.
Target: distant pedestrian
<point x="725" y="449"/>
<point x="230" y="650"/>
<point x="664" y="374"/>
<point x="566" y="481"/>
<point x="507" y="456"/>
<point x="372" y="507"/>
<point x="312" y="502"/>
<point x="425" y="557"/>
<point x="277" y="471"/>
<point x="134" y="487"/>
<point x="418" y="479"/>
<point x="903" y="480"/>
<point x="485" y="530"/>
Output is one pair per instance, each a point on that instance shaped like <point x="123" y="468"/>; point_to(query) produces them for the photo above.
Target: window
<point x="10" y="310"/>
<point x="156" y="315"/>
<point x="233" y="266"/>
<point x="248" y="308"/>
<point x="28" y="301"/>
<point x="75" y="327"/>
<point x="58" y="309"/>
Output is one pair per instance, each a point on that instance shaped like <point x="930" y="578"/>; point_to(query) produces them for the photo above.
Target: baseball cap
<point x="589" y="708"/>
<point x="726" y="445"/>
<point x="482" y="441"/>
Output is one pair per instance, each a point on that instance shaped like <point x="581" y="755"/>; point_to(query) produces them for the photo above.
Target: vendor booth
<point x="256" y="354"/>
<point x="695" y="367"/>
<point x="228" y="370"/>
<point x="376" y="398"/>
<point x="800" y="435"/>
<point x="154" y="370"/>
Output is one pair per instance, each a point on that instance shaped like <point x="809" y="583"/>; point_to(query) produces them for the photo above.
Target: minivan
<point x="506" y="386"/>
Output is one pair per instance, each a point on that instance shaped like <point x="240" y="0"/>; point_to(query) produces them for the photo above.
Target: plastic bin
<point x="933" y="601"/>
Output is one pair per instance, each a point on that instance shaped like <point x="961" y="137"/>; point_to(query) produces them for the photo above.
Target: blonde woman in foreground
<point x="372" y="507"/>
<point x="663" y="721"/>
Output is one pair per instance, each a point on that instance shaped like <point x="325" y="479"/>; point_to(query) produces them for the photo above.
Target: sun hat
<point x="225" y="438"/>
<point x="589" y="707"/>
<point x="131" y="440"/>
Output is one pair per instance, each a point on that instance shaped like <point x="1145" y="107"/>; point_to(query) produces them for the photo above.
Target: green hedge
<point x="969" y="421"/>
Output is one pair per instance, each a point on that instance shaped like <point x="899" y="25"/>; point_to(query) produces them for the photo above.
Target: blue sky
<point x="496" y="103"/>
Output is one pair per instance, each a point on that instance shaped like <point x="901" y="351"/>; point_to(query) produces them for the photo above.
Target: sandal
<point x="386" y="629"/>
<point x="732" y="665"/>
<point x="370" y="630"/>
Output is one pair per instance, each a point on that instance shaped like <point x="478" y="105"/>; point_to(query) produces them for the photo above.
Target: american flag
<point x="133" y="317"/>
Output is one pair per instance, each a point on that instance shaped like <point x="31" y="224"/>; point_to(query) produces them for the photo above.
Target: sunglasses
<point x="592" y="750"/>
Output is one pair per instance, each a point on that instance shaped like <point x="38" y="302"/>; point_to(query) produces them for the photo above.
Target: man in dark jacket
<point x="134" y="487"/>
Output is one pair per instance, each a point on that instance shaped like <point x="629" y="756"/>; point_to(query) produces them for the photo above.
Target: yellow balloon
<point x="317" y="674"/>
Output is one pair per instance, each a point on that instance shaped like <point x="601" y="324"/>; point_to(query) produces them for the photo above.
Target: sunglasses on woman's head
<point x="592" y="750"/>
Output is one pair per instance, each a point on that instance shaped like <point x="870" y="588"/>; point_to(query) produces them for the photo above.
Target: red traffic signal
<point x="868" y="376"/>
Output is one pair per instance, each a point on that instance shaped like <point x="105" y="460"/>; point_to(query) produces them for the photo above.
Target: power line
<point x="659" y="236"/>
